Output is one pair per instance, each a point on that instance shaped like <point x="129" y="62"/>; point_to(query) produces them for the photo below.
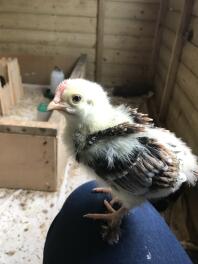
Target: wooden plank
<point x="27" y="127"/>
<point x="47" y="23"/>
<point x="51" y="38"/>
<point x="172" y="20"/>
<point x="51" y="7"/>
<point x="133" y="10"/>
<point x="181" y="126"/>
<point x="79" y="70"/>
<point x="176" y="5"/>
<point x="129" y="27"/>
<point x="195" y="9"/>
<point x="188" y="83"/>
<point x="188" y="109"/>
<point x="194" y="28"/>
<point x="158" y="89"/>
<point x="15" y="79"/>
<point x="190" y="57"/>
<point x="157" y="38"/>
<point x="100" y="39"/>
<point x="124" y="71"/>
<point x="122" y="80"/>
<point x="168" y="38"/>
<point x="33" y="160"/>
<point x="126" y="57"/>
<point x="165" y="55"/>
<point x="128" y="43"/>
<point x="162" y="70"/>
<point x="176" y="54"/>
<point x="41" y="51"/>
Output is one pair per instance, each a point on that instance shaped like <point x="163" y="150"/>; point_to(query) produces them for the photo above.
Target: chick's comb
<point x="59" y="91"/>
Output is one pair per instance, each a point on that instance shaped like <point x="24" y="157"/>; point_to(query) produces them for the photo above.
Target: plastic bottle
<point x="57" y="76"/>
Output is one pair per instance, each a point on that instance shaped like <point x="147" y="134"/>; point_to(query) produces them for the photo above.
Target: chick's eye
<point x="76" y="98"/>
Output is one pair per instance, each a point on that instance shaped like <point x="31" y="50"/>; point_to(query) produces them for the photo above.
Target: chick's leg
<point x="110" y="232"/>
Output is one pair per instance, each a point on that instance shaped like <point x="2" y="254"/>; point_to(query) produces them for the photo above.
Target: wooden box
<point x="33" y="155"/>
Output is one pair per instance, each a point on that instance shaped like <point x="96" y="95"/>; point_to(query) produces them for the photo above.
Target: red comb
<point x="59" y="91"/>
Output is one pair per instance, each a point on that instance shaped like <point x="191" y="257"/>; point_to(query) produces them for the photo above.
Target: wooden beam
<point x="79" y="70"/>
<point x="180" y="39"/>
<point x="100" y="39"/>
<point x="28" y="127"/>
<point x="157" y="38"/>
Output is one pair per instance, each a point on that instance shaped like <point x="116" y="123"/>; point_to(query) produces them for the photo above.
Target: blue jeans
<point x="145" y="237"/>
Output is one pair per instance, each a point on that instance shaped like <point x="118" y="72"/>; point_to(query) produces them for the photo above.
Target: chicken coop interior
<point x="143" y="52"/>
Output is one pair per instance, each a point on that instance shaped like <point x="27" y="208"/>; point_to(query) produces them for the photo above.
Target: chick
<point x="137" y="160"/>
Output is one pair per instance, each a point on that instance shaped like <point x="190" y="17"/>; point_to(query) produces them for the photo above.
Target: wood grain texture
<point x="119" y="56"/>
<point x="130" y="28"/>
<point x="28" y="162"/>
<point x="133" y="10"/>
<point x="47" y="23"/>
<point x="128" y="43"/>
<point x="50" y="38"/>
<point x="82" y="8"/>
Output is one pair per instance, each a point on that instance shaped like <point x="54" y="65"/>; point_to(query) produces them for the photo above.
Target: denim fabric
<point x="145" y="236"/>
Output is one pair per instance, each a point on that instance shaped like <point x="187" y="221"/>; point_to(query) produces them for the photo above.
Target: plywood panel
<point x="34" y="159"/>
<point x="51" y="7"/>
<point x="47" y="22"/>
<point x="132" y="10"/>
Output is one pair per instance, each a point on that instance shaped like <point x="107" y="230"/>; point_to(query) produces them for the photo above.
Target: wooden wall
<point x="129" y="28"/>
<point x="182" y="104"/>
<point x="46" y="33"/>
<point x="57" y="32"/>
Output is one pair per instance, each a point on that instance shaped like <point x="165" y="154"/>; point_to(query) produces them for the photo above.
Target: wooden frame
<point x="180" y="39"/>
<point x="33" y="155"/>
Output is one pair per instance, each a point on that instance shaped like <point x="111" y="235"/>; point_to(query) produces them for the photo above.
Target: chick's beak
<point x="55" y="106"/>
